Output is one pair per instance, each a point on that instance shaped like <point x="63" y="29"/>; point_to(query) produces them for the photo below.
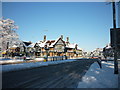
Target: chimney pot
<point x="44" y="38"/>
<point x="67" y="39"/>
<point x="61" y="36"/>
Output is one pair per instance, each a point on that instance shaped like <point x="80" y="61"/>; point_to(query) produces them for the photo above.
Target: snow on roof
<point x="40" y="41"/>
<point x="14" y="46"/>
<point x="79" y="48"/>
<point x="31" y="45"/>
<point x="51" y="43"/>
<point x="98" y="49"/>
<point x="71" y="45"/>
<point x="42" y="44"/>
<point x="54" y="42"/>
<point x="108" y="47"/>
<point x="25" y="41"/>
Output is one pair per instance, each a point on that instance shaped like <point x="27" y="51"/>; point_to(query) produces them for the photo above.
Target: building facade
<point x="57" y="47"/>
<point x="51" y="48"/>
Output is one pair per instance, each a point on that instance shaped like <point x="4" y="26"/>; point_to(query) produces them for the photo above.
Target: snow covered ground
<point x="14" y="67"/>
<point x="11" y="61"/>
<point x="100" y="78"/>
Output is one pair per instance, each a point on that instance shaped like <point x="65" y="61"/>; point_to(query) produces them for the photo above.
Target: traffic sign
<point x="112" y="37"/>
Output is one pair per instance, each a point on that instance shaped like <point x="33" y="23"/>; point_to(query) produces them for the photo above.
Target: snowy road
<point x="53" y="76"/>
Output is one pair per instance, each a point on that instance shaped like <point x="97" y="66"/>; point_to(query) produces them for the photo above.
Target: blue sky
<point x="86" y="24"/>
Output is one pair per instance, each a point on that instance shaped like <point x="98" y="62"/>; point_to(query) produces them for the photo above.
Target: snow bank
<point x="100" y="78"/>
<point x="110" y="58"/>
<point x="39" y="59"/>
<point x="14" y="67"/>
<point x="10" y="61"/>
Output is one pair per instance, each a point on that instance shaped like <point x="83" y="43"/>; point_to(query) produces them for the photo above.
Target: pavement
<point x="97" y="77"/>
<point x="118" y="73"/>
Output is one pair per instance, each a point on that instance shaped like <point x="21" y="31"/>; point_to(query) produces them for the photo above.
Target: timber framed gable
<point x="59" y="46"/>
<point x="59" y="42"/>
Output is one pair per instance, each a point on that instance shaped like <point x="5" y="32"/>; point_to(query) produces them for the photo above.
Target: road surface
<point x="65" y="75"/>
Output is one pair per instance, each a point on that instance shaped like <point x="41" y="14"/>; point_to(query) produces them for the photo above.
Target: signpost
<point x="114" y="40"/>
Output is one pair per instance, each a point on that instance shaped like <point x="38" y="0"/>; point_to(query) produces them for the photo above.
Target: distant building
<point x="14" y="49"/>
<point x="98" y="52"/>
<point x="108" y="51"/>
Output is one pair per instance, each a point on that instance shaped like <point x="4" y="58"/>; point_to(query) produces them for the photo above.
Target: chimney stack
<point x="67" y="39"/>
<point x="61" y="36"/>
<point x="44" y="38"/>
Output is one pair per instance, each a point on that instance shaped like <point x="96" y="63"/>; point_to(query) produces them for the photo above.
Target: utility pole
<point x="115" y="40"/>
<point x="114" y="15"/>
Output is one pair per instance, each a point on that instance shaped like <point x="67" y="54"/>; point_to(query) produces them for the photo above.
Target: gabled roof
<point x="27" y="43"/>
<point x="53" y="44"/>
<point x="49" y="43"/>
